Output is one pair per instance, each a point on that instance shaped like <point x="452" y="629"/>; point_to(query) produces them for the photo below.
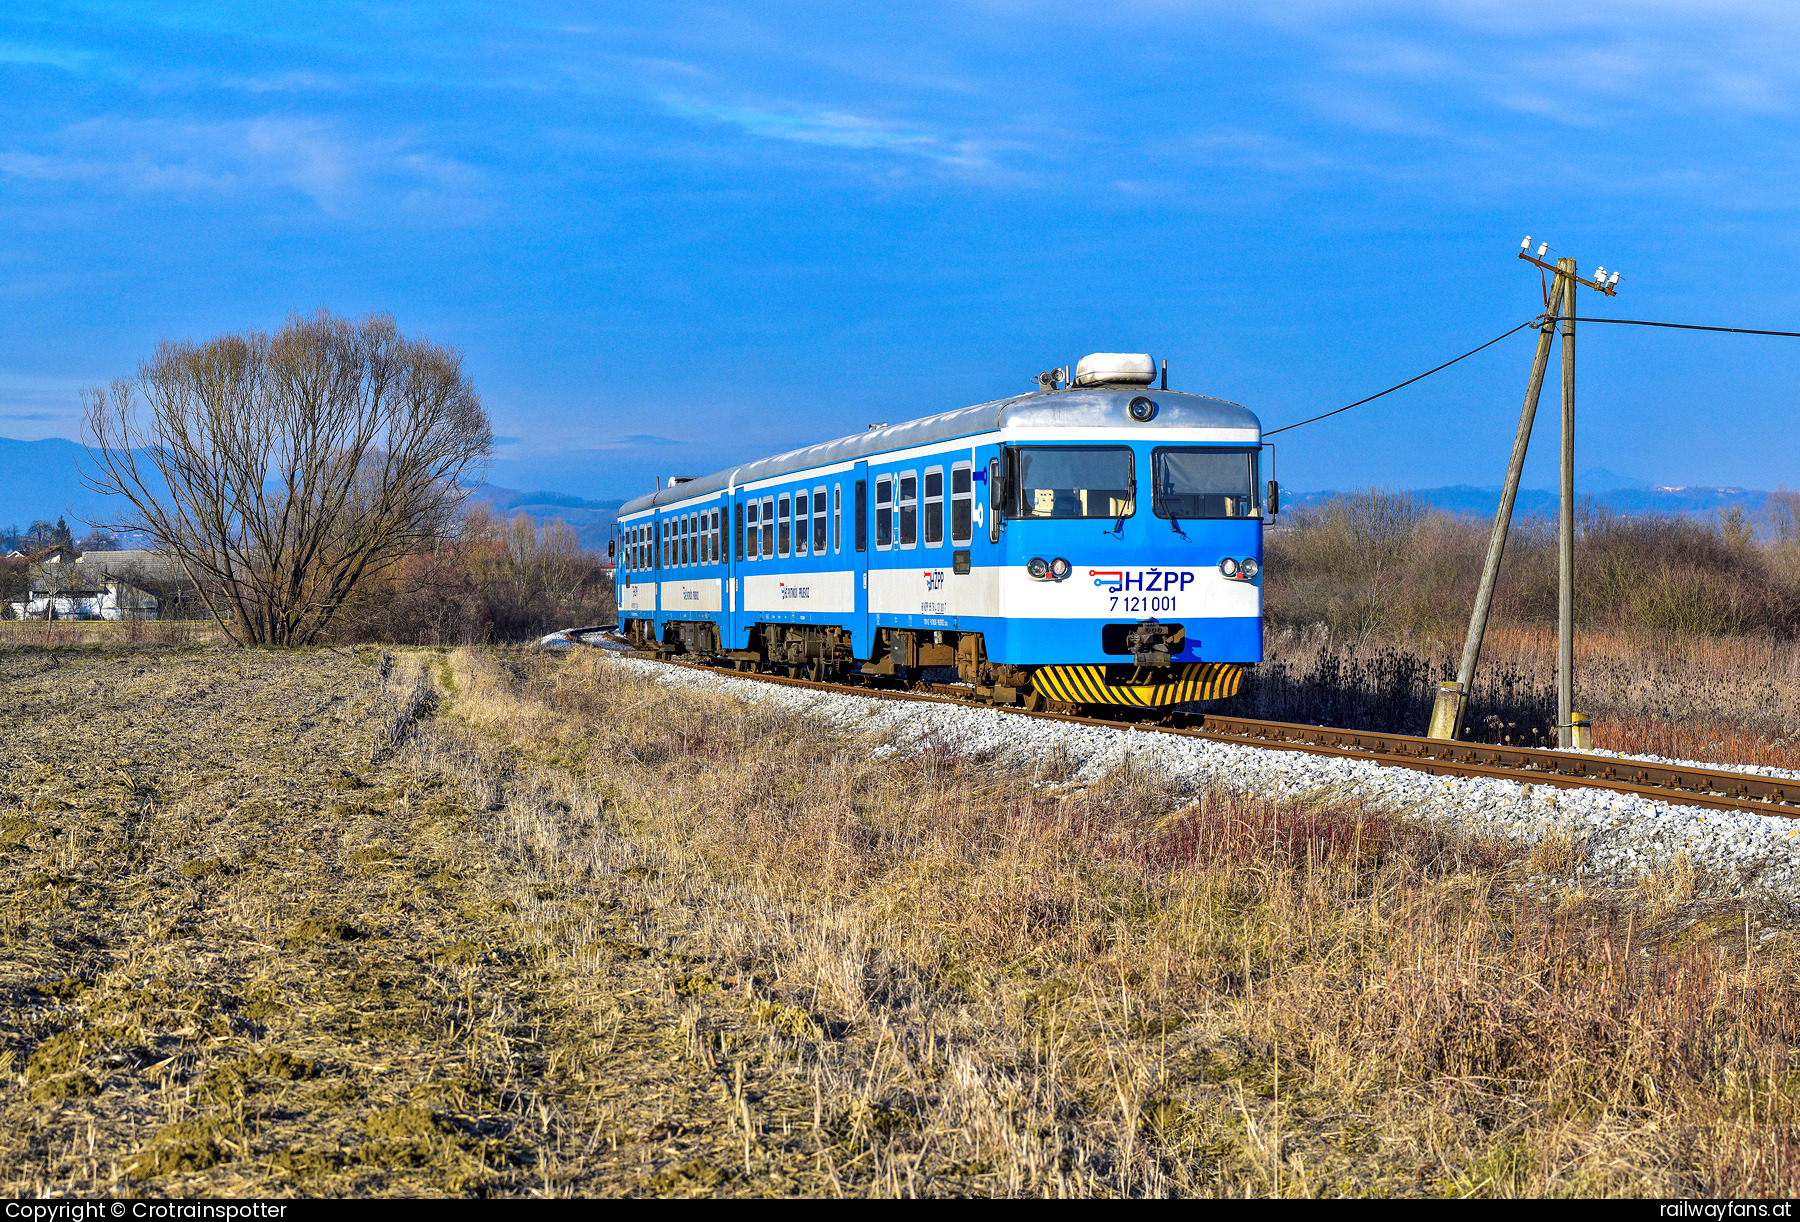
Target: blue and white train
<point x="1095" y="542"/>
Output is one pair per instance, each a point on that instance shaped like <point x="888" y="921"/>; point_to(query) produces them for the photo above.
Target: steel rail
<point x="1715" y="788"/>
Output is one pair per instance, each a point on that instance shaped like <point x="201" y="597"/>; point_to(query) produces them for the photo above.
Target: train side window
<point x="662" y="544"/>
<point x="754" y="542"/>
<point x="907" y="502"/>
<point x="861" y="510"/>
<point x="884" y="513"/>
<point x="687" y="539"/>
<point x="819" y="521"/>
<point x="962" y="504"/>
<point x="712" y="538"/>
<point x="837" y="518"/>
<point x="737" y="531"/>
<point x="934" y="507"/>
<point x="784" y="526"/>
<point x="801" y="527"/>
<point x="768" y="529"/>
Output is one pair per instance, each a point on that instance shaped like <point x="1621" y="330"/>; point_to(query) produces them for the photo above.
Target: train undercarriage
<point x="903" y="656"/>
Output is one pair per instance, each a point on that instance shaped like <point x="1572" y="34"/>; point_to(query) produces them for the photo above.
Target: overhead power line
<point x="1390" y="390"/>
<point x="1624" y="322"/>
<point x="1688" y="326"/>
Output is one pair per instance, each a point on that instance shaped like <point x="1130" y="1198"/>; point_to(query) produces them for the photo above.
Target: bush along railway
<point x="1091" y="550"/>
<point x="1095" y="543"/>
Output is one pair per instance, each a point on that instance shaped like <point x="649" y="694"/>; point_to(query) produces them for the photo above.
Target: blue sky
<point x="672" y="237"/>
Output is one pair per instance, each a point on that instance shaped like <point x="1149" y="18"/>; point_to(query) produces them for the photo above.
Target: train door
<point x="862" y="640"/>
<point x="734" y="567"/>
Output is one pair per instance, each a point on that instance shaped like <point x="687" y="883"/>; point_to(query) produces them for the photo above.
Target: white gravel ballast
<point x="1621" y="836"/>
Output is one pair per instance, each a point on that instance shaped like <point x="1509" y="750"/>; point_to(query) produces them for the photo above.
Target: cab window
<point x="1204" y="483"/>
<point x="1072" y="482"/>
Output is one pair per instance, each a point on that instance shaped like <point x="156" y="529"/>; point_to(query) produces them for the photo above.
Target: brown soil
<point x="241" y="957"/>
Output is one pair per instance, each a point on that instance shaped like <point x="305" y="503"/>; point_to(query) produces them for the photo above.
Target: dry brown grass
<point x="1002" y="984"/>
<point x="258" y="941"/>
<point x="1730" y="700"/>
<point x="506" y="923"/>
<point x="107" y="634"/>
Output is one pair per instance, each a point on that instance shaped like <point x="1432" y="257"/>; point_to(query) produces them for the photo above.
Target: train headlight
<point x="1229" y="567"/>
<point x="1141" y="409"/>
<point x="1249" y="568"/>
<point x="1059" y="569"/>
<point x="1038" y="567"/>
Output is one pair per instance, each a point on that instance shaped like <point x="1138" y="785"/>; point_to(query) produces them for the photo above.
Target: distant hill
<point x="592" y="520"/>
<point x="42" y="480"/>
<point x="1625" y="497"/>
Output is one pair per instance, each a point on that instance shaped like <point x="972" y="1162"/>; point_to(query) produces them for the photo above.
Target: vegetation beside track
<point x="1019" y="984"/>
<point x="501" y="922"/>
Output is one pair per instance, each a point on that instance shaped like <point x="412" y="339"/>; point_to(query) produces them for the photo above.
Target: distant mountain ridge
<point x="42" y="480"/>
<point x="592" y="520"/>
<point x="1602" y="489"/>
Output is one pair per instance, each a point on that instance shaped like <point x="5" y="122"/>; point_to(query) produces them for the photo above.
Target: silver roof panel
<point x="1093" y="407"/>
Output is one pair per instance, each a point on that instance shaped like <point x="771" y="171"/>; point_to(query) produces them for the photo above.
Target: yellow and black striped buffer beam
<point x="1190" y="681"/>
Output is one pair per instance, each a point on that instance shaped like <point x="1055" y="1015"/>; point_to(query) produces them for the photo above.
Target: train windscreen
<point x="1073" y="481"/>
<point x="1204" y="483"/>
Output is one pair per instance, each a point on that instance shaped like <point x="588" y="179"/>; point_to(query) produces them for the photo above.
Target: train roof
<point x="1084" y="407"/>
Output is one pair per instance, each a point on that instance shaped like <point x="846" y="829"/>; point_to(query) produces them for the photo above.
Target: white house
<point x="99" y="585"/>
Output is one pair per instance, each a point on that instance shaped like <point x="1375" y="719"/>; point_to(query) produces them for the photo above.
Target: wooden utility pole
<point x="1452" y="698"/>
<point x="1565" y="520"/>
<point x="1447" y="718"/>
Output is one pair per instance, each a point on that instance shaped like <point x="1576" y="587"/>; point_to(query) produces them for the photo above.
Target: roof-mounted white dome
<point x="1130" y="368"/>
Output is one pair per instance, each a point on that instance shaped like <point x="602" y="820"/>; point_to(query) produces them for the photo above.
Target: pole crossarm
<point x="1601" y="287"/>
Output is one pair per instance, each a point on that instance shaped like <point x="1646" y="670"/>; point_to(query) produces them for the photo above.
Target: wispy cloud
<point x="337" y="171"/>
<point x="35" y="53"/>
<point x="806" y="126"/>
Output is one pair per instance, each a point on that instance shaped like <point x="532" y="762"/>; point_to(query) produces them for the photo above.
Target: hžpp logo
<point x="934" y="579"/>
<point x="1142" y="581"/>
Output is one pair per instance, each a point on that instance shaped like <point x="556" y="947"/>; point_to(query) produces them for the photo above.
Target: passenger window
<point x="768" y="528"/>
<point x="738" y="532"/>
<point x="753" y="543"/>
<point x="715" y="536"/>
<point x="819" y="521"/>
<point x="687" y="539"/>
<point x="784" y="526"/>
<point x="934" y="507"/>
<point x="962" y="505"/>
<point x="862" y="515"/>
<point x="800" y="525"/>
<point x="884" y="513"/>
<point x="908" y="505"/>
<point x="837" y="518"/>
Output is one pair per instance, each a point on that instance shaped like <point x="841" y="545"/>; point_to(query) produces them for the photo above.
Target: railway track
<point x="1716" y="788"/>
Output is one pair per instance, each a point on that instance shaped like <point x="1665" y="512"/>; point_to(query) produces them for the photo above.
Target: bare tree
<point x="282" y="470"/>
